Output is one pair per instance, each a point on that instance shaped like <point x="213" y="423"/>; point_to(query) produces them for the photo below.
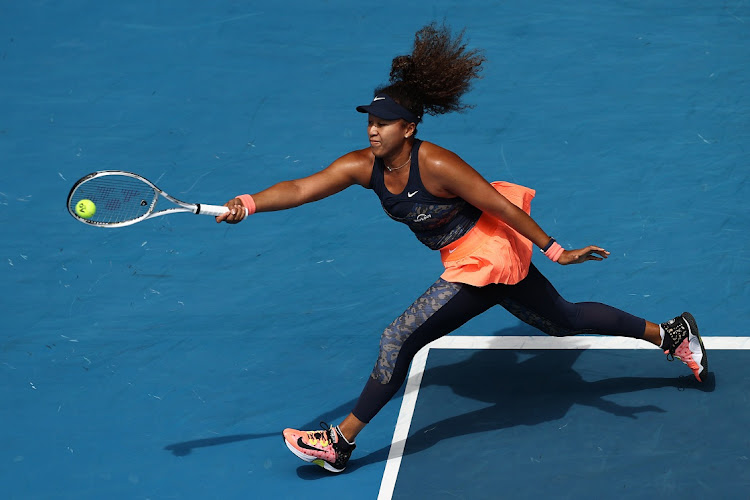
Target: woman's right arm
<point x="350" y="169"/>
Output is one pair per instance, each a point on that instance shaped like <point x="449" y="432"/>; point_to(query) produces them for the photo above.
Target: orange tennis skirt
<point x="492" y="252"/>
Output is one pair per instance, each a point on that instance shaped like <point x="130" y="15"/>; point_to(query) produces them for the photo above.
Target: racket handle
<point x="214" y="210"/>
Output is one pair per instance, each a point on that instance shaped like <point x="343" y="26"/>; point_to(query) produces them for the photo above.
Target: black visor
<point x="383" y="106"/>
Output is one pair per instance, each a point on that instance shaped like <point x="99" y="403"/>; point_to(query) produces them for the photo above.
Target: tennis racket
<point x="124" y="198"/>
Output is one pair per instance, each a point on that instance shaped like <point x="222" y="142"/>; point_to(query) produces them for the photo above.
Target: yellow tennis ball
<point x="85" y="209"/>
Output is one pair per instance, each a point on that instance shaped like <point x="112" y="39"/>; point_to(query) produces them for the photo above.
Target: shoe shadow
<point x="186" y="448"/>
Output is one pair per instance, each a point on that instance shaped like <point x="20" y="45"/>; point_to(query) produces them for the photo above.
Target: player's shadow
<point x="525" y="388"/>
<point x="528" y="389"/>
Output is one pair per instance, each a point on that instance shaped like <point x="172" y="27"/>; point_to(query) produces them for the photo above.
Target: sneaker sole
<point x="317" y="461"/>
<point x="694" y="331"/>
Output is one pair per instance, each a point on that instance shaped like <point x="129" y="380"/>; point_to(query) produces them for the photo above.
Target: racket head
<point x="121" y="198"/>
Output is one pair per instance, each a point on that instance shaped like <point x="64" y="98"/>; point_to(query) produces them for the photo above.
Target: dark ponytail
<point x="434" y="77"/>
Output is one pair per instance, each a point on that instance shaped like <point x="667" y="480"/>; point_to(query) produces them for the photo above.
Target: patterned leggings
<point x="446" y="306"/>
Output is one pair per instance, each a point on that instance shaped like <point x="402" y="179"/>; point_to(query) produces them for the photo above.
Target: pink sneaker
<point x="682" y="341"/>
<point x="326" y="448"/>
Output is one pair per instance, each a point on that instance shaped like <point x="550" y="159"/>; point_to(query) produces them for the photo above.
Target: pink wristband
<point x="554" y="252"/>
<point x="248" y="202"/>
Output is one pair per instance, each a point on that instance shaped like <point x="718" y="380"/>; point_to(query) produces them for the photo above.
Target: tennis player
<point x="482" y="230"/>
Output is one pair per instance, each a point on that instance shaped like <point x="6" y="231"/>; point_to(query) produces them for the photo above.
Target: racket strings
<point x="118" y="198"/>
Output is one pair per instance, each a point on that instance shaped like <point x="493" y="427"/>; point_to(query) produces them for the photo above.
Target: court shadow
<point x="521" y="389"/>
<point x="186" y="447"/>
<point x="538" y="387"/>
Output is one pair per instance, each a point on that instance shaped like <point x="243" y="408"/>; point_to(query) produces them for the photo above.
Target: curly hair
<point x="438" y="72"/>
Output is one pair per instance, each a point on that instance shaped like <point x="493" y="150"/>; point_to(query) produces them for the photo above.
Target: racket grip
<point x="214" y="210"/>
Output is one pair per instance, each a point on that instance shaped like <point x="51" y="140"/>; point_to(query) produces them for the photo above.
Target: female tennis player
<point x="482" y="230"/>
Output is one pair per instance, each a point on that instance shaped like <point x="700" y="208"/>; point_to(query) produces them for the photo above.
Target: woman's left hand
<point x="591" y="252"/>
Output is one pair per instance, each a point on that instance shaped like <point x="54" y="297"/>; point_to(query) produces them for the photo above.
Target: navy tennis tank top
<point x="435" y="221"/>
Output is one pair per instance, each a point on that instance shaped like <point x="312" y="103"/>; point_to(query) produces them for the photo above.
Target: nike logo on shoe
<point x="412" y="194"/>
<point x="305" y="446"/>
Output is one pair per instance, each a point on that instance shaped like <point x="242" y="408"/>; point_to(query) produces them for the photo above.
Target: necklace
<point x="400" y="167"/>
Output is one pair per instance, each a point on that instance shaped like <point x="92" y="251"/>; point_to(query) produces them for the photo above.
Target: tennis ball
<point x="86" y="209"/>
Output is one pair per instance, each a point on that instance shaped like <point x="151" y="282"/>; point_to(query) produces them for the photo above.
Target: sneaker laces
<point x="335" y="437"/>
<point x="676" y="331"/>
<point x="323" y="435"/>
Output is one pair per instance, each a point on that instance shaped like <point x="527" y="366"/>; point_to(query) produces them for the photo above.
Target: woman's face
<point x="387" y="137"/>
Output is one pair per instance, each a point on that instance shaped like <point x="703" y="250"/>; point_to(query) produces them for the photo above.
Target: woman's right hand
<point x="237" y="212"/>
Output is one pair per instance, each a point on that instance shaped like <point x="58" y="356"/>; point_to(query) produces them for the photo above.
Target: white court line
<point x="416" y="372"/>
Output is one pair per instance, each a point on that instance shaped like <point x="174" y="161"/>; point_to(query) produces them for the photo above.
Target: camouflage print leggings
<point x="445" y="306"/>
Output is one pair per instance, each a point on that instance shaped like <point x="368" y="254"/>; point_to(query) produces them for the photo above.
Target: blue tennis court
<point x="162" y="360"/>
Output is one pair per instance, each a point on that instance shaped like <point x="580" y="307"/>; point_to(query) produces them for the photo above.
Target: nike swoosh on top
<point x="412" y="194"/>
<point x="304" y="445"/>
<point x="378" y="99"/>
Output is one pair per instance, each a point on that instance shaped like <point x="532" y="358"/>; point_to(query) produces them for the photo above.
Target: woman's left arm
<point x="445" y="174"/>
